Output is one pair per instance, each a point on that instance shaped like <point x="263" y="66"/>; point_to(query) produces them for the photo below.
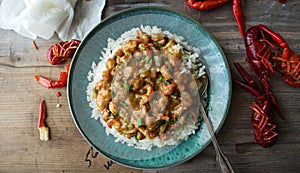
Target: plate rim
<point x="115" y="16"/>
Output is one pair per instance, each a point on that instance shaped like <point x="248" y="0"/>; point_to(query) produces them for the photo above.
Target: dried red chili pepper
<point x="58" y="94"/>
<point x="60" y="52"/>
<point x="43" y="129"/>
<point x="49" y="83"/>
<point x="34" y="44"/>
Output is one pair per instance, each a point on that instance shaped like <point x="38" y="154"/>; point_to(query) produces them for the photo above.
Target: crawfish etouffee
<point x="145" y="89"/>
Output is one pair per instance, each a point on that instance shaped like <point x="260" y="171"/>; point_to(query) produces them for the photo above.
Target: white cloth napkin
<point x="70" y="19"/>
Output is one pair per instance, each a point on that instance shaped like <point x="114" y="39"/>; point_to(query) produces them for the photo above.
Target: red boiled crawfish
<point x="211" y="4"/>
<point x="261" y="60"/>
<point x="57" y="54"/>
<point x="259" y="42"/>
<point x="60" y="52"/>
<point x="267" y="52"/>
<point x="262" y="119"/>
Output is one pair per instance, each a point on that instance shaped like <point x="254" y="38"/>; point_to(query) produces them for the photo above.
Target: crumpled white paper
<point x="70" y="19"/>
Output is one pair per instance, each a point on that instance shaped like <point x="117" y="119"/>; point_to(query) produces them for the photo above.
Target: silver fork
<point x="221" y="159"/>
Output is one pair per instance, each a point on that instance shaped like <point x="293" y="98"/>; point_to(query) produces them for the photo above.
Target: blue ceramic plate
<point x="90" y="50"/>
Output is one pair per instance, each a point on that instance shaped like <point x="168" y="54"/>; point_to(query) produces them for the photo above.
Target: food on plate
<point x="145" y="89"/>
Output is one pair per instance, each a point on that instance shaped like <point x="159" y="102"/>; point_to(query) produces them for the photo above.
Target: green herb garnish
<point x="123" y="104"/>
<point x="159" y="46"/>
<point x="139" y="121"/>
<point x="172" y="122"/>
<point x="113" y="95"/>
<point x="140" y="59"/>
<point x="135" y="137"/>
<point x="127" y="87"/>
<point x="116" y="114"/>
<point x="142" y="47"/>
<point x="167" y="82"/>
<point x="148" y="60"/>
<point x="143" y="57"/>
<point x="158" y="125"/>
<point x="160" y="78"/>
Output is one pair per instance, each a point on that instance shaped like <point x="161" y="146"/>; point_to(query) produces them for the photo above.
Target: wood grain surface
<point x="67" y="151"/>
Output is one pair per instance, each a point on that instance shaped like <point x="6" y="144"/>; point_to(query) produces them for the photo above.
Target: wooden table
<point x="67" y="151"/>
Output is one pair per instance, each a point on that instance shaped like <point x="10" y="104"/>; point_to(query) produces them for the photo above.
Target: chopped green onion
<point x="143" y="57"/>
<point x="123" y="104"/>
<point x="120" y="85"/>
<point x="142" y="47"/>
<point x="138" y="59"/>
<point x="127" y="87"/>
<point x="159" y="46"/>
<point x="116" y="114"/>
<point x="148" y="60"/>
<point x="135" y="137"/>
<point x="160" y="78"/>
<point x="158" y="125"/>
<point x="130" y="87"/>
<point x="172" y="122"/>
<point x="167" y="82"/>
<point x="113" y="95"/>
<point x="139" y="121"/>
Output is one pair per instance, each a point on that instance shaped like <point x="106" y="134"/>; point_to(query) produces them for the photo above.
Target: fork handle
<point x="222" y="160"/>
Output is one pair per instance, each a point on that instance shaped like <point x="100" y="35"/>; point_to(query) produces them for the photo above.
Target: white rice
<point x="191" y="60"/>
